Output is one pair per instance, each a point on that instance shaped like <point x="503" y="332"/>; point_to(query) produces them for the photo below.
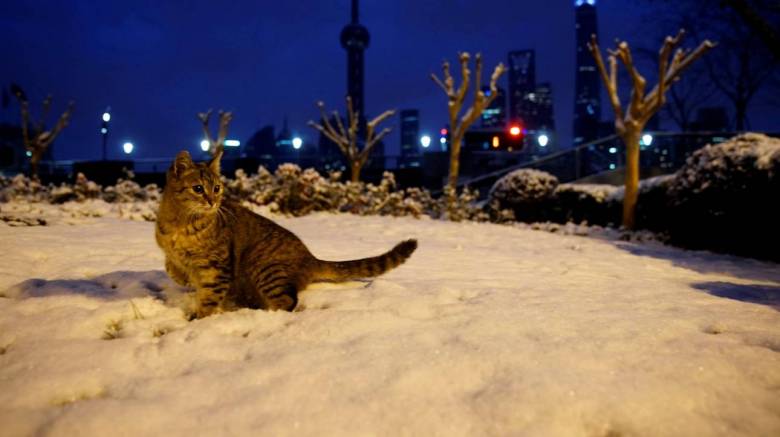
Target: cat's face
<point x="195" y="187"/>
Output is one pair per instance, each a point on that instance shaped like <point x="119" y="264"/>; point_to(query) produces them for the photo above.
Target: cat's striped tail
<point x="365" y="267"/>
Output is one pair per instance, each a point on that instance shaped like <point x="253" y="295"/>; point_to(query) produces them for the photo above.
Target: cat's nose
<point x="210" y="201"/>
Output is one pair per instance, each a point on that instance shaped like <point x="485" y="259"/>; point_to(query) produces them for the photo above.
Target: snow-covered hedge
<point x="290" y="190"/>
<point x="726" y="198"/>
<point x="23" y="188"/>
<point x="585" y="203"/>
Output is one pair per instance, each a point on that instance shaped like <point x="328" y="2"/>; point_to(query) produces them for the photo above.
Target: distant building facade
<point x="587" y="85"/>
<point x="495" y="114"/>
<point x="522" y="82"/>
<point x="410" y="133"/>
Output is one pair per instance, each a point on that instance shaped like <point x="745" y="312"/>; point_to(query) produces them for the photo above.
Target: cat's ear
<point x="182" y="163"/>
<point x="214" y="163"/>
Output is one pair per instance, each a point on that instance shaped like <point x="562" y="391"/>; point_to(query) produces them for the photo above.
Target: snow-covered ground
<point x="487" y="330"/>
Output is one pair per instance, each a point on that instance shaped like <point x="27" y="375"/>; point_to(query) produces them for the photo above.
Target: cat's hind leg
<point x="274" y="288"/>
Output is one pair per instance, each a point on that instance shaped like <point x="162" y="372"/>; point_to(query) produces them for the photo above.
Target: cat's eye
<point x="198" y="189"/>
<point x="216" y="188"/>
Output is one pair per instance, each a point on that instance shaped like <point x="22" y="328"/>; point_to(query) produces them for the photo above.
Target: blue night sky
<point x="158" y="63"/>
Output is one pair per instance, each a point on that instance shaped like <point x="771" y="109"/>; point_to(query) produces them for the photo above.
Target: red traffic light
<point x="515" y="131"/>
<point x="443" y="131"/>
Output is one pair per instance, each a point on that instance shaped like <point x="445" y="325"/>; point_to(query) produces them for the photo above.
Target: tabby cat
<point x="236" y="258"/>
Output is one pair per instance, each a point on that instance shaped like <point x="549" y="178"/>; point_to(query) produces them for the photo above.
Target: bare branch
<point x="24" y="109"/>
<point x="204" y="119"/>
<point x="224" y="122"/>
<point x="370" y="142"/>
<point x="680" y="62"/>
<point x="339" y="124"/>
<point x="477" y="75"/>
<point x="339" y="141"/>
<point x="440" y="83"/>
<point x="44" y="113"/>
<point x="637" y="81"/>
<point x="611" y="84"/>
<point x="449" y="82"/>
<point x="381" y="117"/>
<point x="62" y="122"/>
<point x="465" y="75"/>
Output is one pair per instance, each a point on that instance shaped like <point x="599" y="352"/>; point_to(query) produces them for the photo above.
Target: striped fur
<point x="236" y="258"/>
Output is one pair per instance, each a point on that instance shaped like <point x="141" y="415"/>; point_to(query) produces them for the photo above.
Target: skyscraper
<point x="410" y="131"/>
<point x="355" y="39"/>
<point x="495" y="114"/>
<point x="522" y="81"/>
<point x="545" y="118"/>
<point x="587" y="85"/>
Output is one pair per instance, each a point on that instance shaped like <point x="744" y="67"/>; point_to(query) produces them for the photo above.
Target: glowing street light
<point x="128" y="147"/>
<point x="232" y="143"/>
<point x="515" y="131"/>
<point x="425" y="141"/>
<point x="204" y="145"/>
<point x="647" y="140"/>
<point x="297" y="143"/>
<point x="106" y="117"/>
<point x="543" y="140"/>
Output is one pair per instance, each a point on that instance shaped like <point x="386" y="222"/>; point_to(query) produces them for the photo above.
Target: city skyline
<point x="157" y="66"/>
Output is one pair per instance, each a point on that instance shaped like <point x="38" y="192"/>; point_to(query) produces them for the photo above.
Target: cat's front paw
<point x="203" y="311"/>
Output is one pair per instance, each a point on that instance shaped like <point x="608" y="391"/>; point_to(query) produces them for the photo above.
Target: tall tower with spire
<point x="587" y="83"/>
<point x="354" y="39"/>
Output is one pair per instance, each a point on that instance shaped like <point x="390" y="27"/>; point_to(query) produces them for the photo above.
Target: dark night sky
<point x="158" y="63"/>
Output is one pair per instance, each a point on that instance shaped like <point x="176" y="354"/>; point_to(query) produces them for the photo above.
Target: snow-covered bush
<point x="21" y="187"/>
<point x="726" y="196"/>
<point x="82" y="190"/>
<point x="297" y="192"/>
<point x="585" y="203"/>
<point x="127" y="190"/>
<point x="525" y="192"/>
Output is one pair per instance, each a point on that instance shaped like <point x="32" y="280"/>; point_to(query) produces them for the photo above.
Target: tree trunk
<point x="355" y="168"/>
<point x="631" y="140"/>
<point x="35" y="158"/>
<point x="452" y="180"/>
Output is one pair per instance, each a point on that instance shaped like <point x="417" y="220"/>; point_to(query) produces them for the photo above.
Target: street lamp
<point x="297" y="142"/>
<point x="425" y="141"/>
<point x="204" y="145"/>
<point x="543" y="140"/>
<point x="128" y="147"/>
<point x="104" y="130"/>
<point x="647" y="140"/>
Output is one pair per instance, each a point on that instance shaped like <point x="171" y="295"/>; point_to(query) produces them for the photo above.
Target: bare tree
<point x="641" y="107"/>
<point x="216" y="147"/>
<point x="744" y="65"/>
<point x="754" y="18"/>
<point x="34" y="135"/>
<point x="347" y="138"/>
<point x="455" y="100"/>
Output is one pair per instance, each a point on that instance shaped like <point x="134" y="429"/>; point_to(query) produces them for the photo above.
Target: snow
<point x="487" y="329"/>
